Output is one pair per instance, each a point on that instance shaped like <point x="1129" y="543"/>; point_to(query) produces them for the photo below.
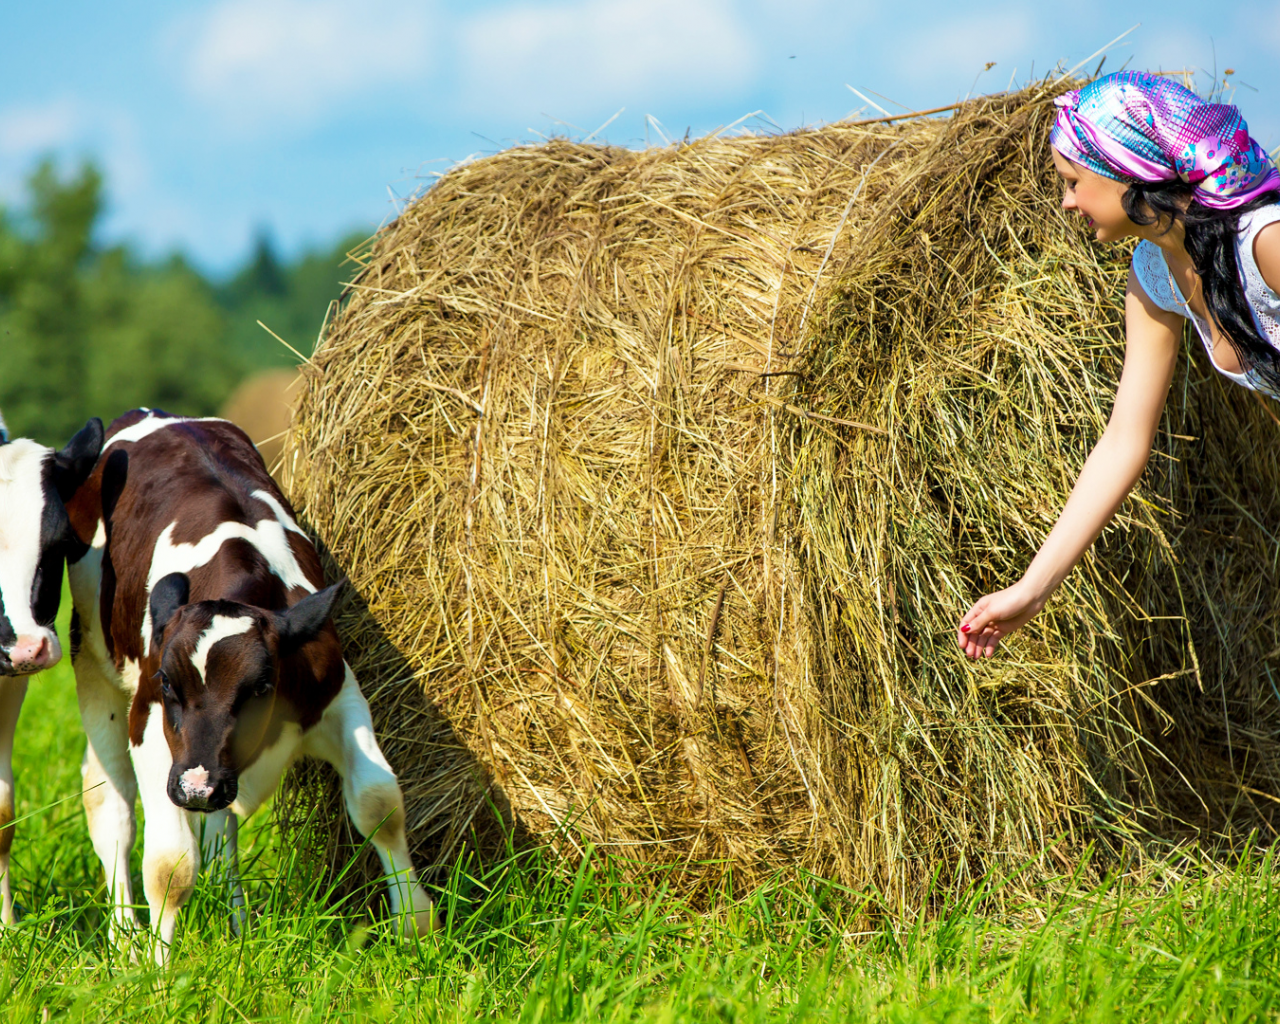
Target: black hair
<point x="1211" y="244"/>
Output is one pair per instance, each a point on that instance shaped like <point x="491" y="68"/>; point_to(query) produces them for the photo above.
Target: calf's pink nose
<point x="32" y="653"/>
<point x="195" y="783"/>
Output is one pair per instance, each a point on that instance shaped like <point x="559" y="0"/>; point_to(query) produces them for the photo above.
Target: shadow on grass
<point x="456" y="813"/>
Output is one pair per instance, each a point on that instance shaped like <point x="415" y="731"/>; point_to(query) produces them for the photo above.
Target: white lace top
<point x="1153" y="274"/>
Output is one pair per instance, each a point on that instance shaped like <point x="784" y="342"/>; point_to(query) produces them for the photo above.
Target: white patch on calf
<point x="151" y="423"/>
<point x="171" y="854"/>
<point x="285" y="519"/>
<point x="222" y="627"/>
<point x="267" y="535"/>
<point x="152" y="758"/>
<point x="22" y="501"/>
<point x="85" y="579"/>
<point x="130" y="676"/>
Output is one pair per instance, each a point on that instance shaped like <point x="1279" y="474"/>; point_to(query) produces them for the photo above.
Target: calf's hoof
<point x="421" y="921"/>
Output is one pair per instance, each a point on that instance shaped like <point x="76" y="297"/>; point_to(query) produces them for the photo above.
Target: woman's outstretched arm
<point x="1152" y="338"/>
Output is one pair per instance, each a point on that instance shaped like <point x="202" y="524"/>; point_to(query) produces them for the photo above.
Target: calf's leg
<point x="170" y="852"/>
<point x="344" y="737"/>
<point x="219" y="841"/>
<point x="12" y="690"/>
<point x="109" y="789"/>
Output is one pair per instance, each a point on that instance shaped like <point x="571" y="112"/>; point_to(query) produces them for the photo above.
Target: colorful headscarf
<point x="1132" y="125"/>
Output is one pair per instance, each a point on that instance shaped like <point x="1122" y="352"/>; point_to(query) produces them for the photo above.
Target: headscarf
<point x="1136" y="126"/>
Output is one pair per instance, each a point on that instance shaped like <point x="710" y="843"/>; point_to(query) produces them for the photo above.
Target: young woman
<point x="1142" y="156"/>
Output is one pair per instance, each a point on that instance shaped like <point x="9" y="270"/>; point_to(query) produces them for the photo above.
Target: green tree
<point x="90" y="331"/>
<point x="42" y="316"/>
<point x="158" y="339"/>
<point x="292" y="299"/>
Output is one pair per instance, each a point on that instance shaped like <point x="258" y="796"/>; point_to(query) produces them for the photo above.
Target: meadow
<point x="526" y="941"/>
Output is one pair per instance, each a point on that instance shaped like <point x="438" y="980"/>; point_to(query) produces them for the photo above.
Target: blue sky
<point x="312" y="117"/>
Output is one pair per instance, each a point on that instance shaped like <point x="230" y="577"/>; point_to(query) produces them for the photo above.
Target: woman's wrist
<point x="1036" y="591"/>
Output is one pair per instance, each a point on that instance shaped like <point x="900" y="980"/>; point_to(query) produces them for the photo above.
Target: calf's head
<point x="35" y="540"/>
<point x="219" y="669"/>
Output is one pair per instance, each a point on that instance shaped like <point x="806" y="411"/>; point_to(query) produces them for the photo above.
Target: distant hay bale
<point x="663" y="478"/>
<point x="261" y="406"/>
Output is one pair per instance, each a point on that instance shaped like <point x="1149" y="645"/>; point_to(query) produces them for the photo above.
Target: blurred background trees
<point x="92" y="330"/>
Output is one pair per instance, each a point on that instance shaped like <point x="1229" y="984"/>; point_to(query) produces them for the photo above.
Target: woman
<point x="1142" y="156"/>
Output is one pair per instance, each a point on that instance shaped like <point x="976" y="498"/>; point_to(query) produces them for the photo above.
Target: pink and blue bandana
<point x="1132" y="125"/>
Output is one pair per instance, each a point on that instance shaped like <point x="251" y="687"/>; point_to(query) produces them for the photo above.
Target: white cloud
<point x="72" y="129"/>
<point x="30" y="129"/>
<point x="575" y="54"/>
<point x="258" y="60"/>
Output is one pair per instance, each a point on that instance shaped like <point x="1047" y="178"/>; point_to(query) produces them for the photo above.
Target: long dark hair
<point x="1211" y="244"/>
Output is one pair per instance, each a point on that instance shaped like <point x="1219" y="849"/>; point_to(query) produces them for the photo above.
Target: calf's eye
<point x="166" y="688"/>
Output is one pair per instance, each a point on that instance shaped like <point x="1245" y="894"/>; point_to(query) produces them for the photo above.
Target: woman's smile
<point x="1095" y="198"/>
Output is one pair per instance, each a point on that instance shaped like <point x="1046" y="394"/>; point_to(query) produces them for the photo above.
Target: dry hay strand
<point x="664" y="477"/>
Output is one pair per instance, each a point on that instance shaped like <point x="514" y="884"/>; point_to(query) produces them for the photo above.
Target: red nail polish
<point x="965" y="628"/>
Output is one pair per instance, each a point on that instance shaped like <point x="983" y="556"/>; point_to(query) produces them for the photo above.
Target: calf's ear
<point x="167" y="596"/>
<point x="73" y="464"/>
<point x="304" y="620"/>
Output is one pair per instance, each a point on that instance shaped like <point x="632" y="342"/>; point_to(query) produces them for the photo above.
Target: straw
<point x="643" y="563"/>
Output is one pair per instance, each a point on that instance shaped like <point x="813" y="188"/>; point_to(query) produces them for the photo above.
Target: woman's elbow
<point x="1126" y="452"/>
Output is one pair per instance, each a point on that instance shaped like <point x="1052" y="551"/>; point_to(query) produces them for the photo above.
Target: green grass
<point x="524" y="942"/>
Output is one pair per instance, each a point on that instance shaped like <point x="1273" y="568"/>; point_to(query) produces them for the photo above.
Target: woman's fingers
<point x="973" y="623"/>
<point x="993" y="618"/>
<point x="979" y="632"/>
<point x="990" y="640"/>
<point x="983" y="646"/>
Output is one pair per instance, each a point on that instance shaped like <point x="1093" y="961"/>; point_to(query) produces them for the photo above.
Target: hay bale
<point x="664" y="477"/>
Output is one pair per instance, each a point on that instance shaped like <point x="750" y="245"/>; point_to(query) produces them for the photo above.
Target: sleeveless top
<point x="1153" y="274"/>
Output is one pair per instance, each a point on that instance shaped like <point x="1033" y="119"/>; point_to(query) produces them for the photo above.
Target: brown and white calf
<point x="206" y="662"/>
<point x="35" y="541"/>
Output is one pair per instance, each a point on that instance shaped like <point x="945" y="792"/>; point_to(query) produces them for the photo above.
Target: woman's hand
<point x="1113" y="467"/>
<point x="994" y="617"/>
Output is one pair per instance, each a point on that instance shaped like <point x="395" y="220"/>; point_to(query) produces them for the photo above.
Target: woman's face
<point x="1096" y="198"/>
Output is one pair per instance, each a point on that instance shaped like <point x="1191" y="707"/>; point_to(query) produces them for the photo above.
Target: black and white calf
<point x="207" y="663"/>
<point x="35" y="541"/>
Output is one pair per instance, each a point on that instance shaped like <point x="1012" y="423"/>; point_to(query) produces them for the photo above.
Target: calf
<point x="207" y="663"/>
<point x="35" y="540"/>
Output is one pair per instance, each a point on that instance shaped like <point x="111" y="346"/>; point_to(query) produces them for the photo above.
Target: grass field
<point x="524" y="942"/>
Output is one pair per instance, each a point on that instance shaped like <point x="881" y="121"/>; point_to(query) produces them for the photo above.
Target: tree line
<point x="88" y="329"/>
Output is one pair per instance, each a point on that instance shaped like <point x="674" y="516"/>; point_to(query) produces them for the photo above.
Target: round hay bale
<point x="262" y="406"/>
<point x="663" y="478"/>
